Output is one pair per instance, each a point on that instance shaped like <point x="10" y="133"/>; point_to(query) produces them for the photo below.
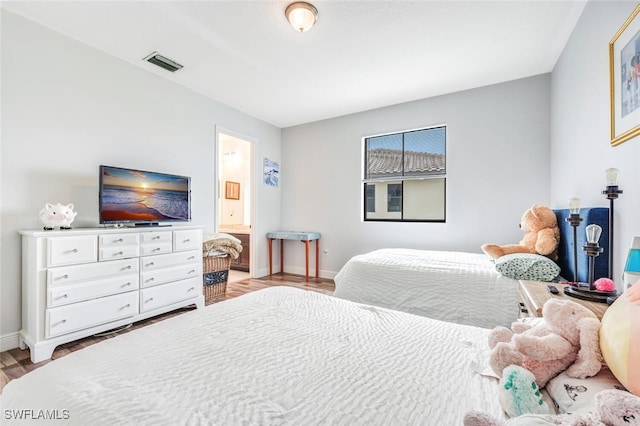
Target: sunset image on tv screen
<point x="133" y="195"/>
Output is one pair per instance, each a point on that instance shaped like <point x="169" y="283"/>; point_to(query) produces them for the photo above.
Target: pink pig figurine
<point x="57" y="215"/>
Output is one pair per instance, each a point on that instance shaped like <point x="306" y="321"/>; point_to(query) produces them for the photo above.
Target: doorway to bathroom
<point x="235" y="196"/>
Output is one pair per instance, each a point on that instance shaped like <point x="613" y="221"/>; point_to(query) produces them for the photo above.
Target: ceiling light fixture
<point x="301" y="15"/>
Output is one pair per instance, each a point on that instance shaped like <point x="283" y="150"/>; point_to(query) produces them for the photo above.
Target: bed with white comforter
<point x="459" y="287"/>
<point x="280" y="356"/>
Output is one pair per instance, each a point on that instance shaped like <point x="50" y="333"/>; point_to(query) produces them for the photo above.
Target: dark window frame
<point x="402" y="177"/>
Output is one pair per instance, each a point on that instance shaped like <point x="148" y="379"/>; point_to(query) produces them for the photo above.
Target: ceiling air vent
<point x="163" y="62"/>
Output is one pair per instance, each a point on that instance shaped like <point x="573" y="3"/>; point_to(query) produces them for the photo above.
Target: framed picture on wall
<point x="624" y="80"/>
<point x="232" y="190"/>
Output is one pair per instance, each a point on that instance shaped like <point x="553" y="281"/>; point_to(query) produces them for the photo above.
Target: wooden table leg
<point x="306" y="245"/>
<point x="317" y="255"/>
<point x="270" y="256"/>
<point x="282" y="256"/>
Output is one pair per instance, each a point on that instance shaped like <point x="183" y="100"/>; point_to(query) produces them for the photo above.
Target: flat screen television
<point x="129" y="196"/>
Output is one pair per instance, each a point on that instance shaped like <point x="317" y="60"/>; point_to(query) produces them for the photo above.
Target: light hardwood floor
<point x="15" y="362"/>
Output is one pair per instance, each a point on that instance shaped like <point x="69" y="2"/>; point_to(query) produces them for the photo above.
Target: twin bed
<point x="465" y="288"/>
<point x="451" y="286"/>
<point x="284" y="356"/>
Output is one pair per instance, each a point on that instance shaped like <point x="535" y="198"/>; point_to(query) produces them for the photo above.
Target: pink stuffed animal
<point x="566" y="339"/>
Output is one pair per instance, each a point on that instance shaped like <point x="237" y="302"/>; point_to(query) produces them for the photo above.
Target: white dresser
<point x="76" y="283"/>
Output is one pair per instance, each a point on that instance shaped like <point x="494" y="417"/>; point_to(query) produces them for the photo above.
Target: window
<point x="405" y="176"/>
<point x="394" y="197"/>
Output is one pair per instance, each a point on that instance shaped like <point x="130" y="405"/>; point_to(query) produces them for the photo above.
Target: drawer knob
<point x="149" y="264"/>
<point x="119" y="240"/>
<point x="119" y="253"/>
<point x="151" y="279"/>
<point x="157" y="237"/>
<point x="156" y="249"/>
<point x="191" y="257"/>
<point x="192" y="288"/>
<point x="187" y="240"/>
<point x="63" y="321"/>
<point x="65" y="295"/>
<point x="193" y="271"/>
<point x="127" y="285"/>
<point x="65" y="276"/>
<point x="128" y="267"/>
<point x="149" y="300"/>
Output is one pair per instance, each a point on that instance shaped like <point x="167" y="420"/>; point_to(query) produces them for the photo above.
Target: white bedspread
<point x="279" y="356"/>
<point x="451" y="286"/>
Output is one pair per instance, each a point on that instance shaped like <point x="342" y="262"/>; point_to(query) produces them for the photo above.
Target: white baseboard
<point x="295" y="270"/>
<point x="9" y="341"/>
<point x="300" y="270"/>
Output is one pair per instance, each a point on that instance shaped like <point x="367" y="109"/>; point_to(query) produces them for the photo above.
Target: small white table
<point x="305" y="237"/>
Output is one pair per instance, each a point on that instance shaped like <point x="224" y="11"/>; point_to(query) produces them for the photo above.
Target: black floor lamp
<point x="611" y="193"/>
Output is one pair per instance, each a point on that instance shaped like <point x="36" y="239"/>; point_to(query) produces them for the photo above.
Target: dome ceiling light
<point x="301" y="15"/>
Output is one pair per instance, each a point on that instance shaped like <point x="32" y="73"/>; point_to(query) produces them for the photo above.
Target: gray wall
<point x="580" y="126"/>
<point x="67" y="108"/>
<point x="497" y="167"/>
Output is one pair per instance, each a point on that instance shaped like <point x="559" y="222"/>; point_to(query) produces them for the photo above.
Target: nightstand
<point x="533" y="294"/>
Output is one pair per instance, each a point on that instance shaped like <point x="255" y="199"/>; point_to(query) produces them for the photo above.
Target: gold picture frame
<point x="624" y="80"/>
<point x="232" y="190"/>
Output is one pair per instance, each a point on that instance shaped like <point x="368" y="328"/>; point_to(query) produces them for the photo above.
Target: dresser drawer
<point x="187" y="240"/>
<point x="119" y="252"/>
<point x="160" y="276"/>
<point x="72" y="250"/>
<point x="165" y="260"/>
<point x="73" y="274"/>
<point x="155" y="248"/>
<point x="66" y="319"/>
<point x="111" y="240"/>
<point x="156" y="237"/>
<point x="64" y="295"/>
<point x="156" y="297"/>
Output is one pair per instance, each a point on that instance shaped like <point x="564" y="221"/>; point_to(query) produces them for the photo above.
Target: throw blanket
<point x="220" y="243"/>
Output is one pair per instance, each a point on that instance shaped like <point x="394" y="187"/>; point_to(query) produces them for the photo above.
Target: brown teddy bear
<point x="541" y="235"/>
<point x="567" y="339"/>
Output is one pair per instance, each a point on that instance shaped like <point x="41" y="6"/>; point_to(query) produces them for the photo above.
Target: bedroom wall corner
<point x="86" y="108"/>
<point x="580" y="126"/>
<point x="489" y="130"/>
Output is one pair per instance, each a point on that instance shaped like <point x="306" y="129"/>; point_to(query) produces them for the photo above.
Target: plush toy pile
<point x="541" y="235"/>
<point x="567" y="339"/>
<point x="572" y="340"/>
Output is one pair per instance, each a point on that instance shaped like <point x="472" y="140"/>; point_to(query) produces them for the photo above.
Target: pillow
<point x="577" y="395"/>
<point x="620" y="338"/>
<point x="527" y="266"/>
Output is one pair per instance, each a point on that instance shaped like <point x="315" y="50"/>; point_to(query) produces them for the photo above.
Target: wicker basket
<point x="215" y="271"/>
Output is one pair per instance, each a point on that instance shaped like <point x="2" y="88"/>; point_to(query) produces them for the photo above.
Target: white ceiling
<point x="360" y="55"/>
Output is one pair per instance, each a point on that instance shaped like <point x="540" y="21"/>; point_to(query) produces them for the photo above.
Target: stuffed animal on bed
<point x="566" y="339"/>
<point x="619" y="342"/>
<point x="613" y="408"/>
<point x="541" y="235"/>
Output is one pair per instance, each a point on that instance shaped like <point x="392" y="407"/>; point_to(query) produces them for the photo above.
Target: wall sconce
<point x="611" y="192"/>
<point x="301" y="15"/>
<point x="574" y="220"/>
